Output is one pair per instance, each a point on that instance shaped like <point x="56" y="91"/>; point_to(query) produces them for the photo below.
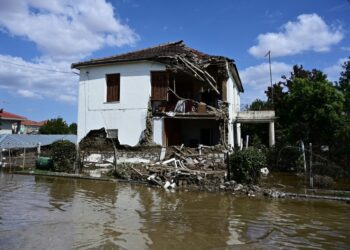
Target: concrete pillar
<point x="233" y="134"/>
<point x="272" y="134"/>
<point x="238" y="134"/>
<point x="230" y="136"/>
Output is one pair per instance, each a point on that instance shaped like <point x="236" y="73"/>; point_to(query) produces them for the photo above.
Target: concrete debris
<point x="168" y="161"/>
<point x="151" y="177"/>
<point x="97" y="173"/>
<point x="238" y="187"/>
<point x="103" y="165"/>
<point x="274" y="194"/>
<point x="162" y="154"/>
<point x="94" y="158"/>
<point x="170" y="184"/>
<point x="264" y="172"/>
<point x="94" y="173"/>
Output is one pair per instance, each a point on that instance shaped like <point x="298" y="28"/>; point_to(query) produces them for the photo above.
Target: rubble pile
<point x="203" y="167"/>
<point x="194" y="180"/>
<point x="203" y="157"/>
<point x="169" y="177"/>
<point x="196" y="169"/>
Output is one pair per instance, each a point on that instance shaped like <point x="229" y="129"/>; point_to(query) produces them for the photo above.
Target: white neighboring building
<point x="31" y="127"/>
<point x="10" y="123"/>
<point x="169" y="95"/>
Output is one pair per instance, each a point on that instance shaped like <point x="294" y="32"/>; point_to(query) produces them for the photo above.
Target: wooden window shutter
<point x="159" y="83"/>
<point x="113" y="87"/>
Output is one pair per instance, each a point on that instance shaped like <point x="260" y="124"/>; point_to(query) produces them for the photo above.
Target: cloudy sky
<point x="40" y="39"/>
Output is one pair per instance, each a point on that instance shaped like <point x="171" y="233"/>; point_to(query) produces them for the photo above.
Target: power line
<point x="37" y="68"/>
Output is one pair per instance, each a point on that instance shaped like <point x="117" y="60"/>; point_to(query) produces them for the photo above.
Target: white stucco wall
<point x="6" y="126"/>
<point x="233" y="98"/>
<point x="129" y="114"/>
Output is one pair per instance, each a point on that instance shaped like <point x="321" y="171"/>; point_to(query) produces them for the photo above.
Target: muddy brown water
<point x="58" y="213"/>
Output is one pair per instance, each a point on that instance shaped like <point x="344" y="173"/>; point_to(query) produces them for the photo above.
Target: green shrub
<point x="246" y="164"/>
<point x="63" y="156"/>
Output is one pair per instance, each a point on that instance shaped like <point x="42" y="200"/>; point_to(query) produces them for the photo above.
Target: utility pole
<point x="269" y="54"/>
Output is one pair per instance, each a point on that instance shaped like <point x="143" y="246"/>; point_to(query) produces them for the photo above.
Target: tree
<point x="308" y="106"/>
<point x="73" y="128"/>
<point x="311" y="108"/>
<point x="342" y="151"/>
<point x="55" y="126"/>
<point x="344" y="85"/>
<point x="259" y="105"/>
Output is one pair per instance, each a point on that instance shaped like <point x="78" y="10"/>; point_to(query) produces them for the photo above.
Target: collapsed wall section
<point x="203" y="158"/>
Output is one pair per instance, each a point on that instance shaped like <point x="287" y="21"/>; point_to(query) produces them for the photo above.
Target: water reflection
<point x="45" y="213"/>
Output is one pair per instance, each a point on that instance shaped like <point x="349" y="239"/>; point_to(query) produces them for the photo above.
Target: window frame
<point x="116" y="99"/>
<point x="162" y="87"/>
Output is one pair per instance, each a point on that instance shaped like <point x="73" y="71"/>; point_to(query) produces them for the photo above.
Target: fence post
<point x="228" y="166"/>
<point x="24" y="157"/>
<point x="304" y="159"/>
<point x="311" y="174"/>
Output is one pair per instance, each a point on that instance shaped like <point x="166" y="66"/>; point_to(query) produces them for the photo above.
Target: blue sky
<point x="40" y="39"/>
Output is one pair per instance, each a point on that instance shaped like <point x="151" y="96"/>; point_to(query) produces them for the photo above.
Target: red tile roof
<point x="163" y="50"/>
<point x="32" y="123"/>
<point x="163" y="53"/>
<point x="9" y="116"/>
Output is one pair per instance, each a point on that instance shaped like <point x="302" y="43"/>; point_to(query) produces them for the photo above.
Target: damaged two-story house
<point x="167" y="95"/>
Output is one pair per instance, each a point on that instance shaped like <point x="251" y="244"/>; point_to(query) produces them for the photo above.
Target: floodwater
<point x="58" y="213"/>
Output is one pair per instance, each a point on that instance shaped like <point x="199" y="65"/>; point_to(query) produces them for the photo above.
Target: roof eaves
<point x="234" y="71"/>
<point x="113" y="59"/>
<point x="98" y="62"/>
<point x="11" y="119"/>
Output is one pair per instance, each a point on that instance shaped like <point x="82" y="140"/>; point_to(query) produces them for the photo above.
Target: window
<point x="159" y="82"/>
<point x="113" y="87"/>
<point x="112" y="133"/>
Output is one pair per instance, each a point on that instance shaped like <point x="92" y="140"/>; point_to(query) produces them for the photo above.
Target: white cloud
<point x="308" y="33"/>
<point x="66" y="29"/>
<point x="67" y="98"/>
<point x="38" y="79"/>
<point x="256" y="79"/>
<point x="333" y="71"/>
<point x="28" y="94"/>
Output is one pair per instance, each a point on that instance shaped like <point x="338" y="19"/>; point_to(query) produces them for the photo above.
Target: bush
<point x="246" y="164"/>
<point x="63" y="156"/>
